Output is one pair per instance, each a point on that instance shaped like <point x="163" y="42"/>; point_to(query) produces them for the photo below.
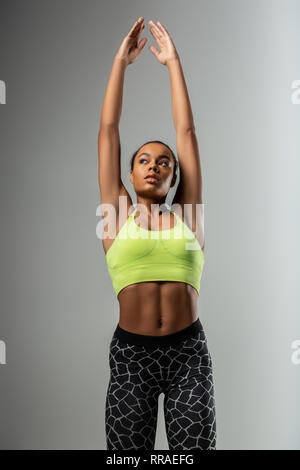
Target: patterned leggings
<point x="178" y="365"/>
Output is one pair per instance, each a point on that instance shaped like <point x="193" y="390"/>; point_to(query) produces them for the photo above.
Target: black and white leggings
<point x="178" y="365"/>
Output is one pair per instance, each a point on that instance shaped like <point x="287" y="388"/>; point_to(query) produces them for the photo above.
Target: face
<point x="153" y="158"/>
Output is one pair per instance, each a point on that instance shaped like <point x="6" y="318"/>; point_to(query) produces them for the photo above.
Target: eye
<point x="145" y="160"/>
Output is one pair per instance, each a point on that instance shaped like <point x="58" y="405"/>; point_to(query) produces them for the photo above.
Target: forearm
<point x="112" y="103"/>
<point x="181" y="107"/>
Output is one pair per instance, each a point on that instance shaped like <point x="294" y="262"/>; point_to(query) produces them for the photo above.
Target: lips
<point x="152" y="178"/>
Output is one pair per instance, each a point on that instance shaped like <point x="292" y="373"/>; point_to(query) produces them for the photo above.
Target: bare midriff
<point x="157" y="308"/>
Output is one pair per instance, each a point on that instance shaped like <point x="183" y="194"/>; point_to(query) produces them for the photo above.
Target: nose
<point x="153" y="167"/>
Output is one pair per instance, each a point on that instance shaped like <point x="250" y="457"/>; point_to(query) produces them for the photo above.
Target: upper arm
<point x="189" y="190"/>
<point x="109" y="167"/>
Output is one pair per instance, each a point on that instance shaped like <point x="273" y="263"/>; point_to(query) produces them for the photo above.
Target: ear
<point x="131" y="176"/>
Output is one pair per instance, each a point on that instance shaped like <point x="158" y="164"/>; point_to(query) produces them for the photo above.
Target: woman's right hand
<point x="130" y="49"/>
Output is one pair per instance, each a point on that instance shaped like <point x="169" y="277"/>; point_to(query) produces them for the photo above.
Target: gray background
<point x="58" y="308"/>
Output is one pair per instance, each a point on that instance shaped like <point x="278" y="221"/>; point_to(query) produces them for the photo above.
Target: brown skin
<point x="159" y="307"/>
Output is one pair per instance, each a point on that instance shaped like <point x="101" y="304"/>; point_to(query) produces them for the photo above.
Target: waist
<point x="164" y="340"/>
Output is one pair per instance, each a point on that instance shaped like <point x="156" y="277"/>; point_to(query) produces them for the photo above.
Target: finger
<point x="142" y="43"/>
<point x="140" y="31"/>
<point x="154" y="27"/>
<point x="154" y="51"/>
<point x="156" y="30"/>
<point x="159" y="27"/>
<point x="139" y="28"/>
<point x="162" y="28"/>
<point x="157" y="36"/>
<point x="137" y="23"/>
<point x="136" y="26"/>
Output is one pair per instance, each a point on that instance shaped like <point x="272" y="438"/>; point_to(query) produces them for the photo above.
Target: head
<point x="153" y="157"/>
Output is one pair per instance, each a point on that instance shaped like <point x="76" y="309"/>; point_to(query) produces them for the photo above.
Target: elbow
<point x="108" y="126"/>
<point x="186" y="129"/>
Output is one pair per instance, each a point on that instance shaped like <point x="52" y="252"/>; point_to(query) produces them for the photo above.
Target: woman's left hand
<point x="167" y="49"/>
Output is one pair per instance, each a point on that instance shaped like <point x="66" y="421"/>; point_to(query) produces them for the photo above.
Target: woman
<point x="159" y="345"/>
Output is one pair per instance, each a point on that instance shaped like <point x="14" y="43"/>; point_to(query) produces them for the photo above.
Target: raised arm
<point x="189" y="190"/>
<point x="109" y="148"/>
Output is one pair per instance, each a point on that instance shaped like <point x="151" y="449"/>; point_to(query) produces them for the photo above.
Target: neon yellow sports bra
<point x="139" y="255"/>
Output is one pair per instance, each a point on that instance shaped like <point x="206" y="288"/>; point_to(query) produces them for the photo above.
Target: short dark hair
<point x="156" y="142"/>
